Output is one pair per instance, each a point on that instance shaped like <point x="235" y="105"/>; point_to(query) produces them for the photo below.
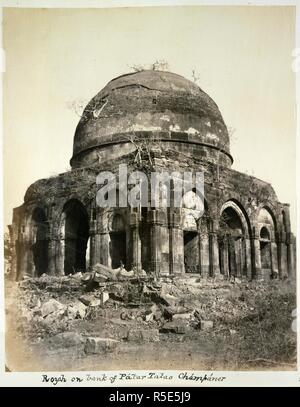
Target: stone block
<point x="100" y="345"/>
<point x="51" y="306"/>
<point x="104" y="297"/>
<point x="145" y="335"/>
<point x="205" y="325"/>
<point x="76" y="310"/>
<point x="183" y="317"/>
<point x="174" y="327"/>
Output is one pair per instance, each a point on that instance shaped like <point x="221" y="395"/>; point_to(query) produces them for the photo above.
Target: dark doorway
<point x="76" y="237"/>
<point x="265" y="249"/>
<point x="191" y="251"/>
<point x="40" y="246"/>
<point x="117" y="249"/>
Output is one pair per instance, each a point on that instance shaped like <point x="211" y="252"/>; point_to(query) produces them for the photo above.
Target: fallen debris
<point x="51" y="306"/>
<point x="100" y="345"/>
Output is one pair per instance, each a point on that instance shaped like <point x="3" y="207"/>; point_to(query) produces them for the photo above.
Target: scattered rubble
<point x="95" y="312"/>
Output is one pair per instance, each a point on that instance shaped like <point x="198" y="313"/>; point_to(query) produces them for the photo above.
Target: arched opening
<point x="267" y="232"/>
<point x="232" y="242"/>
<point x="265" y="250"/>
<point x="191" y="251"/>
<point x="192" y="210"/>
<point x="40" y="241"/>
<point x="76" y="237"/>
<point x="117" y="247"/>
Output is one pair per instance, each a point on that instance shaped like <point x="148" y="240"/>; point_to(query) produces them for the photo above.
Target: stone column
<point x="290" y="256"/>
<point x="282" y="255"/>
<point x="256" y="259"/>
<point x="200" y="269"/>
<point x="104" y="248"/>
<point x="238" y="257"/>
<point x="225" y="257"/>
<point x="176" y="249"/>
<point x="60" y="255"/>
<point x="214" y="267"/>
<point x="95" y="241"/>
<point x="136" y="255"/>
<point x="248" y="258"/>
<point x="51" y="256"/>
<point x="155" y="220"/>
<point x="274" y="259"/>
<point x="23" y="254"/>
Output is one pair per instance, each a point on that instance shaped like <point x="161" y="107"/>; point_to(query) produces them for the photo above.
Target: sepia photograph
<point x="149" y="190"/>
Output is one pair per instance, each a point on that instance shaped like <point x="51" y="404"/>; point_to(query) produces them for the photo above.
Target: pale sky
<point x="55" y="57"/>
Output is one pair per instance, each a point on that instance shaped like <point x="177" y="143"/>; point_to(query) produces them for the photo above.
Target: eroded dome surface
<point x="152" y="104"/>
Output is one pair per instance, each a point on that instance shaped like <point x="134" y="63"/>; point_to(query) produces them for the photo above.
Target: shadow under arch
<point x="234" y="243"/>
<point x="76" y="235"/>
<point x="40" y="238"/>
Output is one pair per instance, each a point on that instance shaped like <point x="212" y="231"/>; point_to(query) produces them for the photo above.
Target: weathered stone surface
<point x="146" y="335"/>
<point x="51" y="306"/>
<point x="205" y="325"/>
<point x="104" y="297"/>
<point x="174" y="327"/>
<point x="169" y="300"/>
<point x="100" y="345"/>
<point x="184" y="317"/>
<point x="76" y="310"/>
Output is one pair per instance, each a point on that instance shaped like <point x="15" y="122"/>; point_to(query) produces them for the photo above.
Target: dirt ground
<point x="65" y="324"/>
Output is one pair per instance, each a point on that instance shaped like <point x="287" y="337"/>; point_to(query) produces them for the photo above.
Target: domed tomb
<point x="151" y="104"/>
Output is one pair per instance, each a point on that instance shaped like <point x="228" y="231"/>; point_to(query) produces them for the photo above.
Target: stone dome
<point x="155" y="104"/>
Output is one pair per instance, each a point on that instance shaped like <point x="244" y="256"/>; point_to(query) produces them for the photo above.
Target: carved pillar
<point x="176" y="249"/>
<point x="51" y="256"/>
<point x="136" y="252"/>
<point x="95" y="243"/>
<point x="256" y="258"/>
<point x="282" y="255"/>
<point x="248" y="258"/>
<point x="104" y="248"/>
<point x="204" y="248"/>
<point x="214" y="267"/>
<point x="60" y="255"/>
<point x="290" y="256"/>
<point x="23" y="255"/>
<point x="200" y="269"/>
<point x="155" y="220"/>
<point x="274" y="259"/>
<point x="225" y="257"/>
<point x="238" y="257"/>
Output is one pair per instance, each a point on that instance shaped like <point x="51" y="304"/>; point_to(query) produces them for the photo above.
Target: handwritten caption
<point x="114" y="378"/>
